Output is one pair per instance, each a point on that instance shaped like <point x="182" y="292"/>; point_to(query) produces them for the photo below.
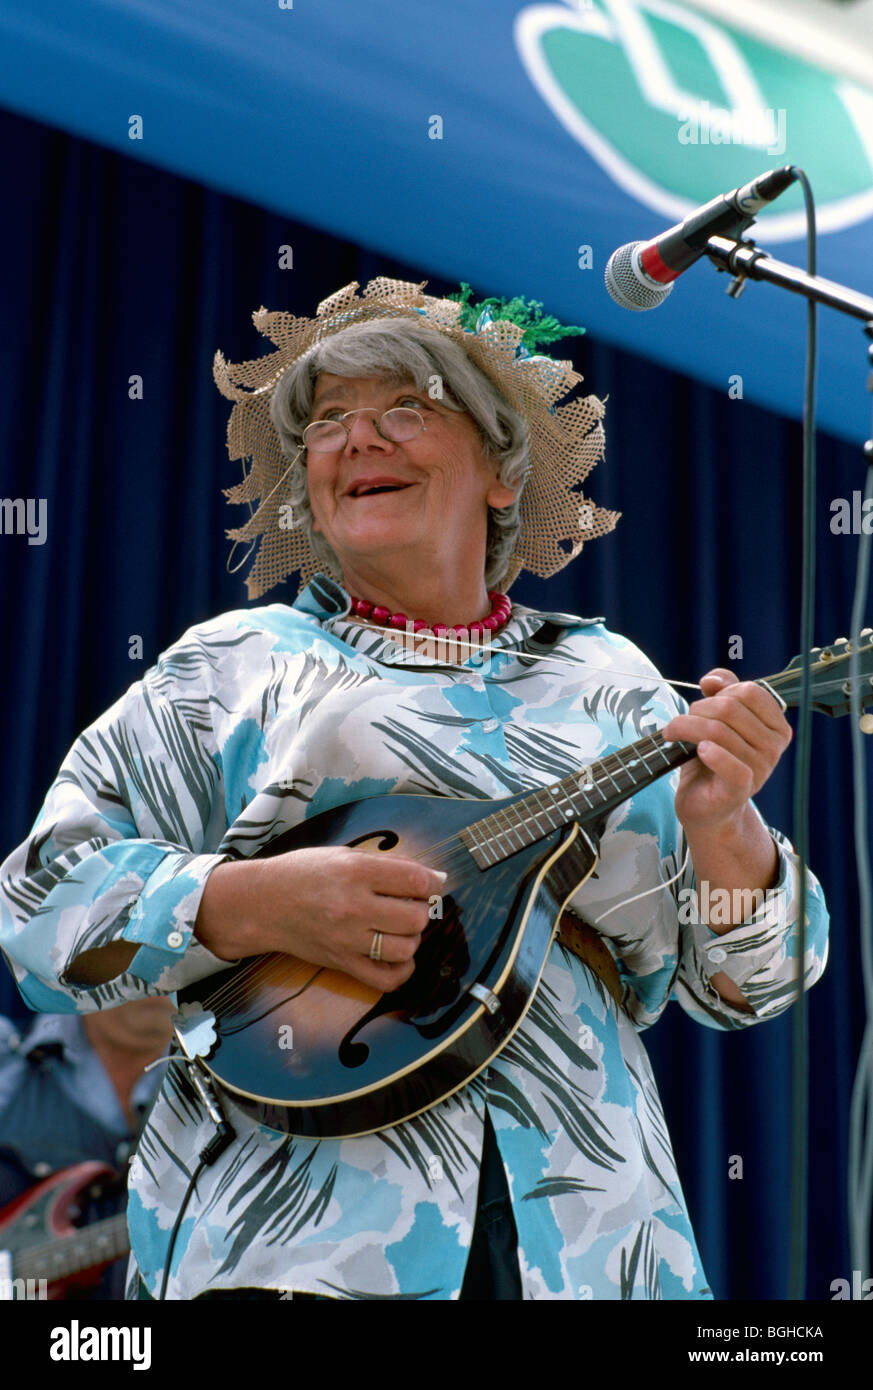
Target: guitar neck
<point x="584" y="796"/>
<point x="97" y="1244"/>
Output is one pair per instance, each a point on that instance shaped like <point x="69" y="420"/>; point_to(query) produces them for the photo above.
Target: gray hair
<point x="403" y="349"/>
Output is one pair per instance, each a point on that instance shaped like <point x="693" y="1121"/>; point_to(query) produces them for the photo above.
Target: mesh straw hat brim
<point x="566" y="441"/>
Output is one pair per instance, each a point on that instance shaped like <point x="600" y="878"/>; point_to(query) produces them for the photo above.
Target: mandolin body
<point x="308" y="1050"/>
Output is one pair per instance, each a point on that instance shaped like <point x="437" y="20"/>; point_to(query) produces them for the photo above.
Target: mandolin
<point x="308" y="1050"/>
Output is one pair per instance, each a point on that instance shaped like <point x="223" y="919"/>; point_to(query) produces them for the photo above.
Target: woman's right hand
<point x="323" y="906"/>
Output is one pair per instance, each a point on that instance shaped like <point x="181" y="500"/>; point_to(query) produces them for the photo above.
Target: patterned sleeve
<point x="117" y="851"/>
<point x="761" y="955"/>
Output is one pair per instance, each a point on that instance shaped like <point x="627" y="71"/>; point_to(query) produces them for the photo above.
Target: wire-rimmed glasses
<point x="398" y="425"/>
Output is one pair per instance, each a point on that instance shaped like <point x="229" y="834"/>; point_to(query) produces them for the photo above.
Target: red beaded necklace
<point x="501" y="609"/>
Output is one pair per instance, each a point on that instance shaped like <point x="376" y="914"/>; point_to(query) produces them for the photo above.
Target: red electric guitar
<point x="43" y="1254"/>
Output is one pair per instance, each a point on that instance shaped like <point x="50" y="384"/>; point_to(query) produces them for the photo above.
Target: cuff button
<point x="175" y="939"/>
<point x="717" y="955"/>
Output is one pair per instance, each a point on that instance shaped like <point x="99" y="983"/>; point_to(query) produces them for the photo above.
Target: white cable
<point x="645" y="894"/>
<point x="527" y="656"/>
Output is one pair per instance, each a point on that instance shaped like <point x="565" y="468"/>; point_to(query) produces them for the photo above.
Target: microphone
<point x="640" y="275"/>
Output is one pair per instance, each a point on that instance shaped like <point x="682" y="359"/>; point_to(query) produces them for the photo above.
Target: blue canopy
<point x="512" y="145"/>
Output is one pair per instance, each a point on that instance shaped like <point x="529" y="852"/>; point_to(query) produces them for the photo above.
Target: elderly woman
<point x="408" y="457"/>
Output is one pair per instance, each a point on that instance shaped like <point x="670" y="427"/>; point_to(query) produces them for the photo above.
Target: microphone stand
<point x="746" y="261"/>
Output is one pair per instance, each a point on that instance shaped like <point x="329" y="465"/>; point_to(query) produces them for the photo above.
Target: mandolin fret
<point x="588" y="794"/>
<point x="551" y="791"/>
<point x="546" y="810"/>
<point x="541" y="816"/>
<point x="513" y="828"/>
<point x="611" y="778"/>
<point x="659" y="749"/>
<point x="519" y="829"/>
<point x="626" y="767"/>
<point x="481" y="848"/>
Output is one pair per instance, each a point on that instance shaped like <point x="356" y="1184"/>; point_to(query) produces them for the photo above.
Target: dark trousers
<point x="492" y="1268"/>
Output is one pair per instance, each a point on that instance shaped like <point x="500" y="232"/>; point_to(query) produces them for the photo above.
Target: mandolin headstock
<point x="829" y="673"/>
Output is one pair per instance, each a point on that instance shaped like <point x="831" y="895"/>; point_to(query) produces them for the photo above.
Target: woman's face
<point x="440" y="485"/>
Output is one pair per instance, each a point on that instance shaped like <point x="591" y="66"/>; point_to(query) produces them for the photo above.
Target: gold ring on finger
<point x="376" y="946"/>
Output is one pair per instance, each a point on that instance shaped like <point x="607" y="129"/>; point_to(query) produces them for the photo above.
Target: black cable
<point x="860" y="1185"/>
<point x="799" y="1081"/>
<point x="209" y="1154"/>
<point x="175" y="1231"/>
<point x="860" y="1177"/>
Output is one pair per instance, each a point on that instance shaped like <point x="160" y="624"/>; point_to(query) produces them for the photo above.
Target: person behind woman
<point x="74" y="1091"/>
<point x="409" y="456"/>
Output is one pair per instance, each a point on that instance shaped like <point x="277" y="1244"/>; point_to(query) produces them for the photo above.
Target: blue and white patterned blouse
<point x="260" y="718"/>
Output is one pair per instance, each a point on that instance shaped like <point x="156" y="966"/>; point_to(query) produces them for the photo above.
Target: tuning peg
<point x="867" y="631"/>
<point x="841" y="642"/>
<point x="865" y="723"/>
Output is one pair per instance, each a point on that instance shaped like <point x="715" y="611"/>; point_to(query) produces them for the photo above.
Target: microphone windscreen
<point x="629" y="285"/>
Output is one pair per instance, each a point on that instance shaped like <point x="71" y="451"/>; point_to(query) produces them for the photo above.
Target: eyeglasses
<point x="397" y="425"/>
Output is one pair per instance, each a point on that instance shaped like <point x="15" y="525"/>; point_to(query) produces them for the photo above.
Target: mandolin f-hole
<point x="387" y="840"/>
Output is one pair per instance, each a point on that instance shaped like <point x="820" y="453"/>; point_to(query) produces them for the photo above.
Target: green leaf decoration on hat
<point x="539" y="329"/>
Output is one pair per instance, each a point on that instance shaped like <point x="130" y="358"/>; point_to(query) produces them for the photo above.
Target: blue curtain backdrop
<point x="111" y="268"/>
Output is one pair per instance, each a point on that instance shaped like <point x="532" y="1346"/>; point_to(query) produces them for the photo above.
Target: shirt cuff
<point x="162" y="922"/>
<point x="748" y="947"/>
<point x="760" y="955"/>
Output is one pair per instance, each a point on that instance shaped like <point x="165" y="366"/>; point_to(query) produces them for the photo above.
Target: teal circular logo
<point x="674" y="105"/>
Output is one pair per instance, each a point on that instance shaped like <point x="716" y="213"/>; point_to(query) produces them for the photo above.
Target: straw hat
<point x="566" y="441"/>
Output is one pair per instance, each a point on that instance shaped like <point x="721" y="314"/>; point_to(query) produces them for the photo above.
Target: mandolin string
<point x="269" y="969"/>
<point x="251" y="986"/>
<point x="234" y="989"/>
<point x="259" y="971"/>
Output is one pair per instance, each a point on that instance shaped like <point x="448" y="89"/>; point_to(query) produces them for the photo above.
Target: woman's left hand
<point x="741" y="733"/>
